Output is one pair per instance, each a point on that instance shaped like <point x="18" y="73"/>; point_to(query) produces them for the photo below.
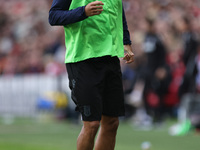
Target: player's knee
<point x="111" y="125"/>
<point x="92" y="127"/>
<point x="114" y="123"/>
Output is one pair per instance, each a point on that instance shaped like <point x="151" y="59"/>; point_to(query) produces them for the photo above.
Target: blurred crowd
<point x="164" y="79"/>
<point x="27" y="42"/>
<point x="165" y="37"/>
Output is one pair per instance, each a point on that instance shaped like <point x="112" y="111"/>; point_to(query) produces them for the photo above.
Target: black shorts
<point x="96" y="87"/>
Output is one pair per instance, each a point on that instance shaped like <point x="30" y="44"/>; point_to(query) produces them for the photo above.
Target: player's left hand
<point x="129" y="55"/>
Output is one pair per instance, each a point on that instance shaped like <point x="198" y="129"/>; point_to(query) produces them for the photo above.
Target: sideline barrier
<point x="19" y="94"/>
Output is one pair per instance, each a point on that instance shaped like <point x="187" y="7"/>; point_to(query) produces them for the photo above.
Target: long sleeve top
<point x="60" y="15"/>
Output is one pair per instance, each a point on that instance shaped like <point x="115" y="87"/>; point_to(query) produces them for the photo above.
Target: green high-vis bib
<point x="96" y="36"/>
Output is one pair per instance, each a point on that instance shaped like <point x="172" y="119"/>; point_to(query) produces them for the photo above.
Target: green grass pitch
<point x="27" y="134"/>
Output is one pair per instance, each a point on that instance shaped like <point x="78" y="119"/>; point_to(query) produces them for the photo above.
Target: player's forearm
<point x="126" y="35"/>
<point x="65" y="17"/>
<point x="126" y="38"/>
<point x="60" y="14"/>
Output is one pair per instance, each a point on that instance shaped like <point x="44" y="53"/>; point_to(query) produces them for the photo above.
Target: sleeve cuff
<point x="83" y="13"/>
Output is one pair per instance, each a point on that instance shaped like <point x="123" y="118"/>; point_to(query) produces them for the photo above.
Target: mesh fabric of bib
<point x="96" y="36"/>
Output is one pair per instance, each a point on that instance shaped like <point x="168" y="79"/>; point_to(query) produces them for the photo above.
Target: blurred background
<point x="161" y="87"/>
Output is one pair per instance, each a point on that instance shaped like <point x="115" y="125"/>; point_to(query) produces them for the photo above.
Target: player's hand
<point x="93" y="8"/>
<point x="129" y="55"/>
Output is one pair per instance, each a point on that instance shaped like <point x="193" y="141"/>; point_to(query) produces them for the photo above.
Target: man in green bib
<point x="96" y="34"/>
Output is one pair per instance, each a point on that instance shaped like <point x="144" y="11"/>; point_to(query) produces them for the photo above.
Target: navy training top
<point x="60" y="14"/>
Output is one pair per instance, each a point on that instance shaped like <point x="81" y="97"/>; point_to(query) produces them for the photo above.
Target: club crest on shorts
<point x="87" y="111"/>
<point x="73" y="83"/>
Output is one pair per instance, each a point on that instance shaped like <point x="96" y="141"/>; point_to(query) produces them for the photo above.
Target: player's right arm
<point x="60" y="14"/>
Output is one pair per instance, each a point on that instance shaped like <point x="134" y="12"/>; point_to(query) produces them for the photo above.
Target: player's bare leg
<point x="107" y="134"/>
<point x="87" y="135"/>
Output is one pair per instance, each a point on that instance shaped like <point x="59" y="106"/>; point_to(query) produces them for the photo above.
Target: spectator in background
<point x="189" y="55"/>
<point x="157" y="76"/>
<point x="177" y="69"/>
